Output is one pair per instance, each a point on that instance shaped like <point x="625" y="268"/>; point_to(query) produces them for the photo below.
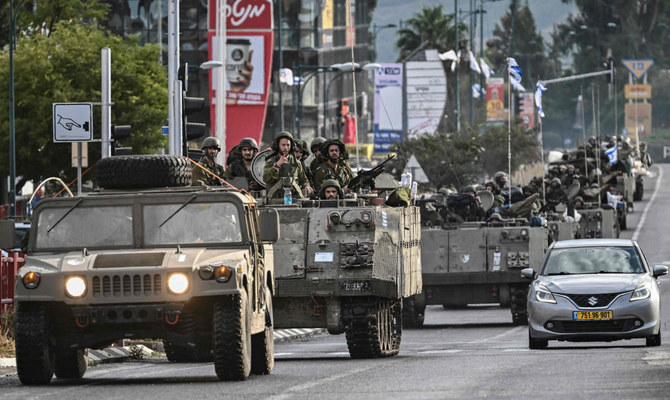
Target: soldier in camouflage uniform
<point x="241" y="167"/>
<point x="330" y="190"/>
<point x="211" y="146"/>
<point x="316" y="150"/>
<point x="301" y="154"/>
<point x="336" y="166"/>
<point x="281" y="163"/>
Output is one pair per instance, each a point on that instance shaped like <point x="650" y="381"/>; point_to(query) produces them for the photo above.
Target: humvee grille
<point x="127" y="285"/>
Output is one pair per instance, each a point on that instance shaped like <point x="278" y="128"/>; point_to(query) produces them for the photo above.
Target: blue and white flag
<point x="514" y="69"/>
<point x="539" y="89"/>
<point x="486" y="70"/>
<point x="612" y="154"/>
<point x="473" y="62"/>
<point x="478" y="90"/>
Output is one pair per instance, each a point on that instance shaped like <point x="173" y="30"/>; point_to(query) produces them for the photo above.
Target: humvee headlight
<point x="31" y="280"/>
<point x="223" y="274"/>
<point x="178" y="283"/>
<point x="75" y="286"/>
<point x="206" y="273"/>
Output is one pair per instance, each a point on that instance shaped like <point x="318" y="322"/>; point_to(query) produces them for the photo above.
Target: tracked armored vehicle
<point x="190" y="265"/>
<point x="346" y="265"/>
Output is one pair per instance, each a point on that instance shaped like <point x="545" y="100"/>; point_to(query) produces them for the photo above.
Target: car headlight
<point x="642" y="292"/>
<point x="543" y="295"/>
<point x="75" y="286"/>
<point x="31" y="280"/>
<point x="178" y="283"/>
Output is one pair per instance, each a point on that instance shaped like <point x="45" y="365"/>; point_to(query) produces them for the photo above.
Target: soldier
<point x="330" y="190"/>
<point x="336" y="166"/>
<point x="473" y="211"/>
<point x="241" y="167"/>
<point x="498" y="200"/>
<point x="501" y="179"/>
<point x="211" y="146"/>
<point x="301" y="154"/>
<point x="316" y="150"/>
<point x="578" y="202"/>
<point x="281" y="163"/>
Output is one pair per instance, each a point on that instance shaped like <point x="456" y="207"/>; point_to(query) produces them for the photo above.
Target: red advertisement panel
<point x="249" y="44"/>
<point x="495" y="106"/>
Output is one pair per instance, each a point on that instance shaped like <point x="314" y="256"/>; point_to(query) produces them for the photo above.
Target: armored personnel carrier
<point x="190" y="265"/>
<point x="347" y="264"/>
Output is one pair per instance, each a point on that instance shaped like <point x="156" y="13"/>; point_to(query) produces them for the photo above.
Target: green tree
<point x="430" y="25"/>
<point x="66" y="67"/>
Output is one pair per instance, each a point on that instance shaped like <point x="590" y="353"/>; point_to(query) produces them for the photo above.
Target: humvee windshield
<point x="163" y="224"/>
<point x="85" y="227"/>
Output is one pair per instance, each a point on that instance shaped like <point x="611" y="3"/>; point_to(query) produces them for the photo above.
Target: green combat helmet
<point x="248" y="142"/>
<point x="211" y="142"/>
<point x="316" y="143"/>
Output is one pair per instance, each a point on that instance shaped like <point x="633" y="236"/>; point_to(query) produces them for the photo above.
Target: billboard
<point x="426" y="95"/>
<point x="388" y="113"/>
<point x="249" y="41"/>
<point x="495" y="104"/>
<point x="638" y="116"/>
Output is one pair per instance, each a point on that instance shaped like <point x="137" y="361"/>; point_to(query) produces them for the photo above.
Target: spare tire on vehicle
<point x="143" y="171"/>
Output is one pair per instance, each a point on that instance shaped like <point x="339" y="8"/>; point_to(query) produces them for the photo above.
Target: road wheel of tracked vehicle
<point x="655" y="340"/>
<point x="34" y="358"/>
<point x="70" y="364"/>
<point x="263" y="343"/>
<point x="137" y="172"/>
<point x="537" y="344"/>
<point x="412" y="315"/>
<point x="232" y="338"/>
<point x="373" y="327"/>
<point x="639" y="191"/>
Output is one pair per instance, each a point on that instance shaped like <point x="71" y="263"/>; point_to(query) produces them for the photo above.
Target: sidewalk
<point x="137" y="349"/>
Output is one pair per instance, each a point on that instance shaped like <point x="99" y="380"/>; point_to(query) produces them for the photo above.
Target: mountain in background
<point x="546" y="14"/>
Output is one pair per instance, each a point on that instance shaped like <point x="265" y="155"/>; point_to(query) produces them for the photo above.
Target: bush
<point x="7" y="330"/>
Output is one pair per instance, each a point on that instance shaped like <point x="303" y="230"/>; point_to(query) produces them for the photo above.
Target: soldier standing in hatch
<point x="316" y="150"/>
<point x="301" y="154"/>
<point x="242" y="166"/>
<point x="281" y="163"/>
<point x="211" y="146"/>
<point x="330" y="190"/>
<point x="336" y="167"/>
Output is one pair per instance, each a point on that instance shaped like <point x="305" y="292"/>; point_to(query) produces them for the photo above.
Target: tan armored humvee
<point x="190" y="265"/>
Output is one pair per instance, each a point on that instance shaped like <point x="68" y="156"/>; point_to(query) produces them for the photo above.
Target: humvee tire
<point x="70" y="364"/>
<point x="34" y="358"/>
<point x="263" y="344"/>
<point x="373" y="327"/>
<point x="138" y="172"/>
<point x="232" y="338"/>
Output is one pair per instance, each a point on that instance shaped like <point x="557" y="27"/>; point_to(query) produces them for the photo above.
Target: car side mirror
<point x="7" y="234"/>
<point x="660" y="270"/>
<point x="269" y="224"/>
<point x="528" y="273"/>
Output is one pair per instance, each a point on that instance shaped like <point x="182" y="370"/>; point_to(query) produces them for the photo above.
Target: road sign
<point x="638" y="67"/>
<point x="638" y="91"/>
<point x="72" y="122"/>
<point x="414" y="167"/>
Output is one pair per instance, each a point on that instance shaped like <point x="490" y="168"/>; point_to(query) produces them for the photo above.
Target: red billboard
<point x="249" y="44"/>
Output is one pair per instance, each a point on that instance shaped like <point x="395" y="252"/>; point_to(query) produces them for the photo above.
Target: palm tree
<point x="431" y="25"/>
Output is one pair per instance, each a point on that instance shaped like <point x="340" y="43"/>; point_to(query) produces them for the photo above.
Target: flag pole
<point x="510" y="108"/>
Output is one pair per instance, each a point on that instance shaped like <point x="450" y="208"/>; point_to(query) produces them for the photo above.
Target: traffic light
<point x="517" y="102"/>
<point x="120" y="132"/>
<point x="190" y="105"/>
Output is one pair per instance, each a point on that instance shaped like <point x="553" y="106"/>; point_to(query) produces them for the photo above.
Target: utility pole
<point x="457" y="112"/>
<point x="174" y="85"/>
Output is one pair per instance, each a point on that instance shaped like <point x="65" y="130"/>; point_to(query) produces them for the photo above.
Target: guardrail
<point x="9" y="266"/>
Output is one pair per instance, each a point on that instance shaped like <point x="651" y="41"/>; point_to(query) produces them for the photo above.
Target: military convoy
<point x="190" y="265"/>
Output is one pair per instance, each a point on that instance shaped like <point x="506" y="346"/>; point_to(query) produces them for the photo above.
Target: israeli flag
<point x="514" y="69"/>
<point x="539" y="89"/>
<point x="612" y="154"/>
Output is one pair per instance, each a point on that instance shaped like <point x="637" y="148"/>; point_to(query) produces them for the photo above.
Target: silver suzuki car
<point x="594" y="290"/>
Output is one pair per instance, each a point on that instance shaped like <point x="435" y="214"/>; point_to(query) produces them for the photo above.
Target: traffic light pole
<point x="106" y="109"/>
<point x="174" y="85"/>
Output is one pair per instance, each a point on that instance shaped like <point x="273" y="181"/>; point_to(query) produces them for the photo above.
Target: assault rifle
<point x="365" y="178"/>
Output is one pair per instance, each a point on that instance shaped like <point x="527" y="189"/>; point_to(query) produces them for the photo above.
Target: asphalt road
<point x="468" y="353"/>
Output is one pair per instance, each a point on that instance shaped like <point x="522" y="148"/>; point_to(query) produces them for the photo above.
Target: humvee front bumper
<point x="127" y="313"/>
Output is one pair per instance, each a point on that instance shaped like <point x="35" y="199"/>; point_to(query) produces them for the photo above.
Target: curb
<point x="136" y="349"/>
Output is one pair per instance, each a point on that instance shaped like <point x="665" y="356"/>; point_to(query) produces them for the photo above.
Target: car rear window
<point x="593" y="260"/>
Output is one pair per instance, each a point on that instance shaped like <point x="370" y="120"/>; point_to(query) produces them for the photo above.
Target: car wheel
<point x="232" y="338"/>
<point x="655" y="340"/>
<point x="537" y="344"/>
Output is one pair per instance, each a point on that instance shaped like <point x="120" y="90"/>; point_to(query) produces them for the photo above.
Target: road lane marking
<point x="440" y="351"/>
<point x="646" y="209"/>
<point x="510" y="331"/>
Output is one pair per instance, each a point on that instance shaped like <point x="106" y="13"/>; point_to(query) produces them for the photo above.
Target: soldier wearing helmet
<point x="281" y="163"/>
<point x="208" y="172"/>
<point x="336" y="165"/>
<point x="241" y="166"/>
<point x="301" y="154"/>
<point x="500" y="179"/>
<point x="316" y="150"/>
<point x="330" y="190"/>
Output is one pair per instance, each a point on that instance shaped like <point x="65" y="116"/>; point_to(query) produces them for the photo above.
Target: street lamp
<point x="316" y="69"/>
<point x="586" y="28"/>
<point x="376" y="29"/>
<point x="344" y="68"/>
<point x="13" y="13"/>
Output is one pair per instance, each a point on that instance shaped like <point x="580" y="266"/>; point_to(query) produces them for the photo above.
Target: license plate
<point x="591" y="315"/>
<point x="356" y="286"/>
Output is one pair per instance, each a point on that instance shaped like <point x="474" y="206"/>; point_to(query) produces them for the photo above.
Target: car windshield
<point x="68" y="227"/>
<point x="171" y="224"/>
<point x="594" y="260"/>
